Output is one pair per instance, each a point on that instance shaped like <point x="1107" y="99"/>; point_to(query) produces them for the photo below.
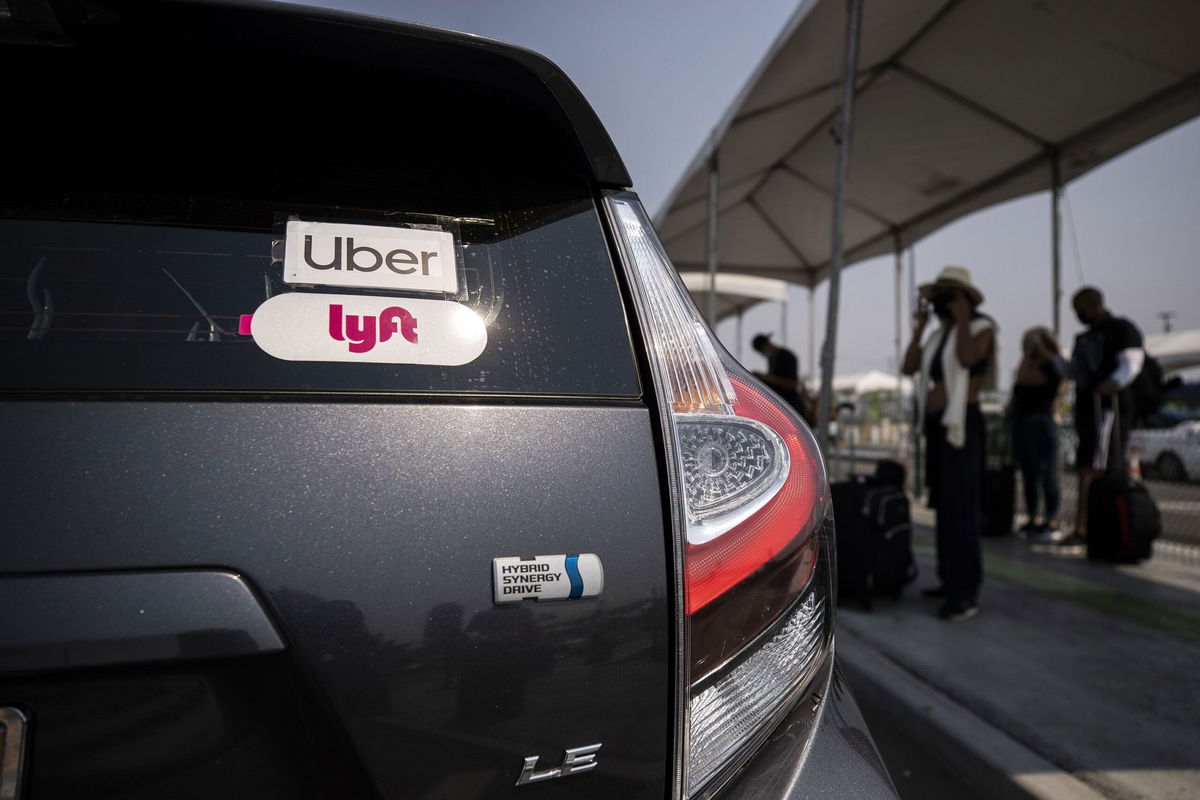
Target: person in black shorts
<point x="1105" y="361"/>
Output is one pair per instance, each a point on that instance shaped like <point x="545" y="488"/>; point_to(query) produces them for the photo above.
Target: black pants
<point x="1087" y="426"/>
<point x="955" y="490"/>
<point x="1035" y="442"/>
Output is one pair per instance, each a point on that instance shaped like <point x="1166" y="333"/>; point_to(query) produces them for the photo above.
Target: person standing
<point x="1106" y="359"/>
<point x="954" y="364"/>
<point x="783" y="375"/>
<point x="1035" y="430"/>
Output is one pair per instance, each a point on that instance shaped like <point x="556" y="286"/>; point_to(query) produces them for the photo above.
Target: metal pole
<point x="899" y="280"/>
<point x="812" y="333"/>
<point x="712" y="233"/>
<point x="1056" y="239"/>
<point x="899" y="416"/>
<point x="739" y="334"/>
<point x="849" y="73"/>
<point x="918" y="471"/>
<point x="783" y="309"/>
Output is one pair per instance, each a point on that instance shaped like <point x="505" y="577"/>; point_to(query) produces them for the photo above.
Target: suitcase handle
<point x="1103" y="442"/>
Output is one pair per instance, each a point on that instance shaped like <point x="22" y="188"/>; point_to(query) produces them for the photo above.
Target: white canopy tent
<point x="869" y="382"/>
<point x="956" y="104"/>
<point x="1175" y="351"/>
<point x="735" y="293"/>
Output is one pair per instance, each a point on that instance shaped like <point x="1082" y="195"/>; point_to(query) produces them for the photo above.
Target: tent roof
<point x="735" y="293"/>
<point x="961" y="104"/>
<point x="869" y="382"/>
<point x="1175" y="351"/>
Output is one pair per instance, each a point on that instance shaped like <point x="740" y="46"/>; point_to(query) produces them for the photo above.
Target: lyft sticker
<point x="356" y="328"/>
<point x="369" y="257"/>
<point x="561" y="577"/>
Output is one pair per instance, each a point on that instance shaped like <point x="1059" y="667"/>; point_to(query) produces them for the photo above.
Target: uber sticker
<point x="369" y="257"/>
<point x="356" y="328"/>
<point x="562" y="577"/>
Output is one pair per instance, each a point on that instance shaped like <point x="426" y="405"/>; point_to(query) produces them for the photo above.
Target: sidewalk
<point x="1075" y="680"/>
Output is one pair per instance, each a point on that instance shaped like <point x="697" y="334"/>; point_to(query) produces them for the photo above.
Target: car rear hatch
<point x="249" y="552"/>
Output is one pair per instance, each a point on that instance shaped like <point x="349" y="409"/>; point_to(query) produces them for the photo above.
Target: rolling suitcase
<point x="999" y="480"/>
<point x="999" y="494"/>
<point x="874" y="535"/>
<point x="852" y="541"/>
<point x="1123" y="520"/>
<point x="889" y="526"/>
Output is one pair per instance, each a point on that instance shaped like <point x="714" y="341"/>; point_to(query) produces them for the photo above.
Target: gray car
<point x="360" y="441"/>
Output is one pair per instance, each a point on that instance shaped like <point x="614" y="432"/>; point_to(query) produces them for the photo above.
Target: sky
<point x="660" y="75"/>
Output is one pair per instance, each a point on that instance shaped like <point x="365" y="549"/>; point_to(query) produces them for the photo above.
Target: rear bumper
<point x="826" y="753"/>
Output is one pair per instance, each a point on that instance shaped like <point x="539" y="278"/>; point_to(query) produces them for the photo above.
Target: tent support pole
<point x="812" y="333"/>
<point x="1056" y="239"/>
<point x="918" y="467"/>
<point x="739" y="335"/>
<point x="899" y="280"/>
<point x="849" y="73"/>
<point x="899" y="376"/>
<point x="783" y="314"/>
<point x="712" y="234"/>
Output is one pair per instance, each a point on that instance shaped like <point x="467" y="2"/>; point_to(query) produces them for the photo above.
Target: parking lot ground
<point x="1076" y="680"/>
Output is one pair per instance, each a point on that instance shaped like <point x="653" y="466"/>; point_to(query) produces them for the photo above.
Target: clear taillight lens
<point x="751" y="495"/>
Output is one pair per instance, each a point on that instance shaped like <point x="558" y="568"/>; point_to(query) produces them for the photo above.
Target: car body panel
<point x="370" y="530"/>
<point x="1182" y="441"/>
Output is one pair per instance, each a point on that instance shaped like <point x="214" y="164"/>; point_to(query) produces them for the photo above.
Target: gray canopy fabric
<point x="960" y="104"/>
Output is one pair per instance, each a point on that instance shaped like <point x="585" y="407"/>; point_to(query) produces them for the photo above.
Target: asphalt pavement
<point x="1076" y="680"/>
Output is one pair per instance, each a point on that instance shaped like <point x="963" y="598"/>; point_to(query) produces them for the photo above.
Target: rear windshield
<point x="106" y="306"/>
<point x="138" y="256"/>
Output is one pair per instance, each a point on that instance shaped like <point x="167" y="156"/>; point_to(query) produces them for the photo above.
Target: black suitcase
<point x="999" y="490"/>
<point x="853" y="537"/>
<point x="1123" y="520"/>
<point x="999" y="506"/>
<point x="874" y="536"/>
<point x="889" y="525"/>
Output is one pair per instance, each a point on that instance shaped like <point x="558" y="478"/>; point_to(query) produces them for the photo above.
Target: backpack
<point x="1148" y="388"/>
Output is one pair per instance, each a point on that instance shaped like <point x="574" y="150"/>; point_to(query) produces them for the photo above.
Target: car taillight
<point x="751" y="497"/>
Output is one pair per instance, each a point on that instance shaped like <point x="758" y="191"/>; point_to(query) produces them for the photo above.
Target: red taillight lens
<point x="749" y="495"/>
<point x="771" y="532"/>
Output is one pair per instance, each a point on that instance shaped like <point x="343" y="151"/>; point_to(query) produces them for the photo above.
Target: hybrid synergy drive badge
<point x="562" y="577"/>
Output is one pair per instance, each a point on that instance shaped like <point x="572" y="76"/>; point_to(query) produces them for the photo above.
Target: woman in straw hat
<point x="953" y="365"/>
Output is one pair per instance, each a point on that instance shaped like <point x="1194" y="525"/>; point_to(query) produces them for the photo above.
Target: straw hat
<point x="953" y="278"/>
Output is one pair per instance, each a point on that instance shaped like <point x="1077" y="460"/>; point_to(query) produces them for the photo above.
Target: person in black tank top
<point x="1035" y="431"/>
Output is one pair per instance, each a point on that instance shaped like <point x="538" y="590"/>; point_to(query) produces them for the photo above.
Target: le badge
<point x="558" y="577"/>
